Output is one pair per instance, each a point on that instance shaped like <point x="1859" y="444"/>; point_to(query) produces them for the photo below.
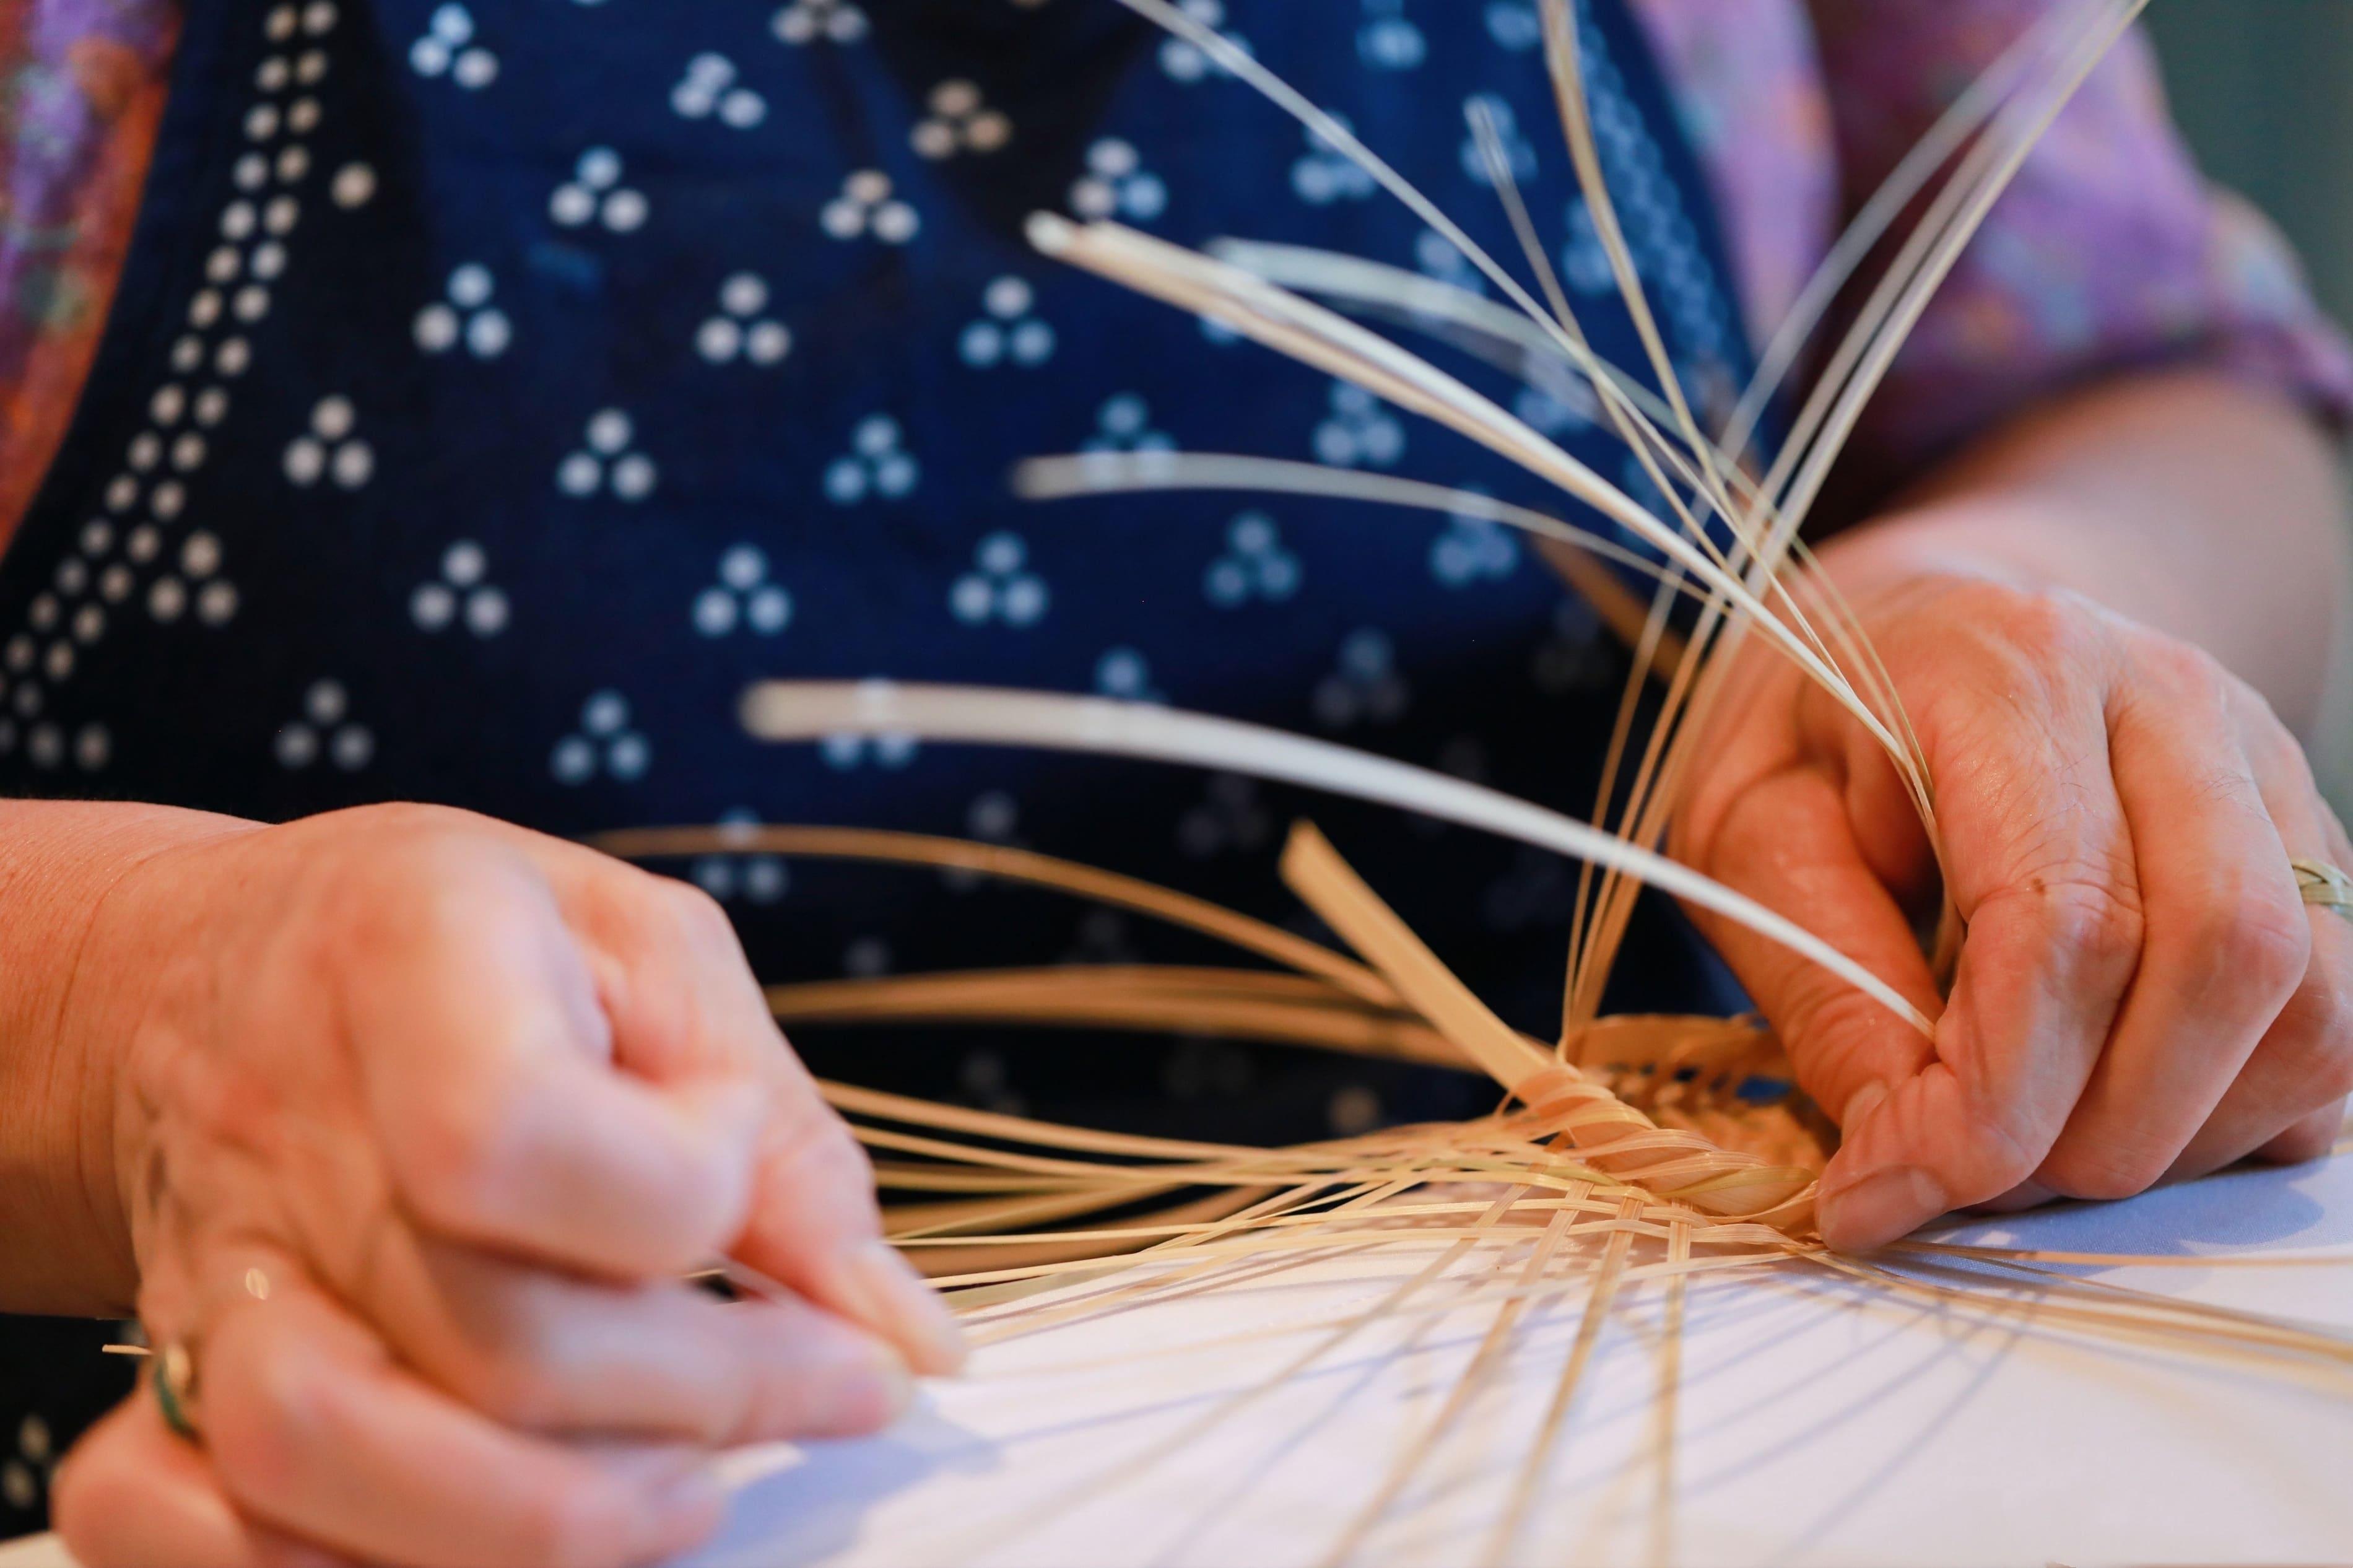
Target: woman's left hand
<point x="2141" y="993"/>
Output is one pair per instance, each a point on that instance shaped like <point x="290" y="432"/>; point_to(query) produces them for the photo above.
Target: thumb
<point x="1788" y="843"/>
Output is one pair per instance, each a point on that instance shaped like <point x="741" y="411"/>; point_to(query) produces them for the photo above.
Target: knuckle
<point x="2090" y="918"/>
<point x="2007" y="1146"/>
<point x="674" y="916"/>
<point x="658" y="920"/>
<point x="2252" y="936"/>
<point x="415" y="878"/>
<point x="698" y="916"/>
<point x="2038" y="620"/>
<point x="2314" y="1039"/>
<point x="822" y="1157"/>
<point x="2328" y="1007"/>
<point x="2104" y="1171"/>
<point x="2271" y="745"/>
<point x="261" y="1423"/>
<point x="2185" y="667"/>
<point x="2326" y="1071"/>
<point x="2006" y="1164"/>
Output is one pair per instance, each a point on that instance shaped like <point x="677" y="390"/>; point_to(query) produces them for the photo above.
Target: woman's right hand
<point x="418" y="1119"/>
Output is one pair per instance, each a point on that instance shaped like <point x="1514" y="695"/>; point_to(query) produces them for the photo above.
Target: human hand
<point x="2141" y="993"/>
<point x="420" y="1118"/>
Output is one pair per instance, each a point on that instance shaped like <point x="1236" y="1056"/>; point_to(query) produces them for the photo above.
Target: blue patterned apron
<point x="497" y="388"/>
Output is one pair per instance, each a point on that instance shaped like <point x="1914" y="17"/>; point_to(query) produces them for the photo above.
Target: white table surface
<point x="1817" y="1427"/>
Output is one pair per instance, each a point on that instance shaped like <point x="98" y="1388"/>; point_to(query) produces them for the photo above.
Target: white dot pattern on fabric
<point x="1009" y="331"/>
<point x="743" y="598"/>
<point x="1231" y="819"/>
<point x="462" y="595"/>
<point x="1183" y="60"/>
<point x="959" y="120"/>
<point x="1000" y="588"/>
<point x="1365" y="687"/>
<point x="1361" y="432"/>
<point x="1517" y="152"/>
<point x="466" y="317"/>
<point x="449" y="49"/>
<point x="331" y="451"/>
<point x="1472" y="550"/>
<point x="1123" y="424"/>
<point x="325" y="732"/>
<point x="749" y="876"/>
<point x="605" y="744"/>
<point x="712" y="88"/>
<point x="1117" y="184"/>
<point x="867" y="208"/>
<point x="1514" y="25"/>
<point x="1387" y="38"/>
<point x="595" y="195"/>
<point x="1125" y="673"/>
<point x="741" y="331"/>
<point x="1255" y="566"/>
<point x="1324" y="175"/>
<point x="805" y="22"/>
<point x="877" y="467"/>
<point x="607" y="461"/>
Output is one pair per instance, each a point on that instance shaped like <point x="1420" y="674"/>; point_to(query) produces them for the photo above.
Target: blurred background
<point x="2264" y="89"/>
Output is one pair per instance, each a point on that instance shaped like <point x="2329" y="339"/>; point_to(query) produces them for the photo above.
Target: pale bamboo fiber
<point x="1632" y="1154"/>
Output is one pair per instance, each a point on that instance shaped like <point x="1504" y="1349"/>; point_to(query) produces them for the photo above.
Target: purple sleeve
<point x="2109" y="253"/>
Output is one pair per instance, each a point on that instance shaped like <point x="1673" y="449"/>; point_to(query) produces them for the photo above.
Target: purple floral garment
<point x="2110" y="252"/>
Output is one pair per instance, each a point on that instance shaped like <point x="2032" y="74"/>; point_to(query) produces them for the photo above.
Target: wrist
<point x="2012" y="543"/>
<point x="84" y="939"/>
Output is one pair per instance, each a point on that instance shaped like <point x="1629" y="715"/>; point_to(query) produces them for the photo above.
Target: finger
<point x="2283" y="1103"/>
<point x="2314" y="1137"/>
<point x="670" y="974"/>
<point x="1788" y="841"/>
<point x="2226" y="939"/>
<point x="685" y="1003"/>
<point x="311" y="1426"/>
<point x="815" y="1227"/>
<point x="2041" y="871"/>
<point x="486" y="1055"/>
<point x="132" y="1493"/>
<point x="544" y="1353"/>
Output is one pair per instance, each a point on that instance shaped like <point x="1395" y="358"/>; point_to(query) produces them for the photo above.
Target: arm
<point x="2085" y="615"/>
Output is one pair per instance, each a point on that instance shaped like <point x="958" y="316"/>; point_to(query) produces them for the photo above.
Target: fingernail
<point x="884" y="1292"/>
<point x="1865" y="1100"/>
<point x="859" y="1390"/>
<point x="1890" y="1203"/>
<point x="683" y="1510"/>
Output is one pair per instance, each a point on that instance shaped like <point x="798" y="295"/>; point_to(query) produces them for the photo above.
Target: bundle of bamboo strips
<point x="1629" y="1153"/>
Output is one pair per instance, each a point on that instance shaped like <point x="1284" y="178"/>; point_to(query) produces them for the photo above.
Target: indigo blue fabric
<point x="497" y="388"/>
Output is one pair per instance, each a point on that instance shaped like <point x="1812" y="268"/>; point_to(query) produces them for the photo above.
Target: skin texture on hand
<point x="2140" y="995"/>
<point x="417" y="1120"/>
